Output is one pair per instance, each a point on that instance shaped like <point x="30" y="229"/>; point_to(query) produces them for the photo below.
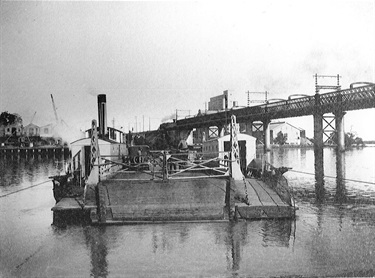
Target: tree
<point x="359" y="141"/>
<point x="350" y="140"/>
<point x="10" y="119"/>
<point x="281" y="138"/>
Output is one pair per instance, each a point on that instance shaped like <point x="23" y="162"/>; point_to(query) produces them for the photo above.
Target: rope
<point x="332" y="177"/>
<point x="24" y="189"/>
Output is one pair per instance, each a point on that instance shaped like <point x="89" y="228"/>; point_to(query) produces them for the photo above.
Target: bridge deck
<point x="344" y="100"/>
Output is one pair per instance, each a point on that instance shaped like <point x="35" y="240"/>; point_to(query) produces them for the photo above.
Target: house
<point x="294" y="135"/>
<point x="31" y="130"/>
<point x="47" y="131"/>
<point x="13" y="129"/>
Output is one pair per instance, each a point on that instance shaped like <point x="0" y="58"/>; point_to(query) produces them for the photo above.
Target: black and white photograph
<point x="187" y="138"/>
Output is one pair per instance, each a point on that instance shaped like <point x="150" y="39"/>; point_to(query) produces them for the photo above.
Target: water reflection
<point x="278" y="232"/>
<point x="168" y="240"/>
<point x="335" y="237"/>
<point x="96" y="240"/>
<point x="341" y="193"/>
<point x="319" y="175"/>
<point x="236" y="234"/>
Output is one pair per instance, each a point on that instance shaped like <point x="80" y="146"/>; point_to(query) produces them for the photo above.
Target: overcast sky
<point x="152" y="58"/>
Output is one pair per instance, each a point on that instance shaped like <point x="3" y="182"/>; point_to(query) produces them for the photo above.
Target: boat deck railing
<point x="166" y="165"/>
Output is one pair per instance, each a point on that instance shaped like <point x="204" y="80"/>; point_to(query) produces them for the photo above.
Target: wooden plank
<point x="272" y="193"/>
<point x="252" y="194"/>
<point x="67" y="204"/>
<point x="264" y="212"/>
<point x="265" y="203"/>
<point x="266" y="195"/>
<point x="263" y="195"/>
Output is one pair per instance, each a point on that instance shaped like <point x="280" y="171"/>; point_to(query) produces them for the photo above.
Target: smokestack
<point x="102" y="114"/>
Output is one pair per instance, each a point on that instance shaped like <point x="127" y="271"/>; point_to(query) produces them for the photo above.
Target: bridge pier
<point x="267" y="135"/>
<point x="318" y="125"/>
<point x="340" y="131"/>
<point x="249" y="127"/>
<point x="318" y="131"/>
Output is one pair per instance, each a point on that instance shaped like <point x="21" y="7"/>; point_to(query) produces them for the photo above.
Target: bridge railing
<point x="345" y="100"/>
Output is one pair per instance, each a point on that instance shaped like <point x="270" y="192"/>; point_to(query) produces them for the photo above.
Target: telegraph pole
<point x="253" y="101"/>
<point x="327" y="87"/>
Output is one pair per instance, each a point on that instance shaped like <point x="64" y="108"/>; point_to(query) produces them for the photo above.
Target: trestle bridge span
<point x="360" y="95"/>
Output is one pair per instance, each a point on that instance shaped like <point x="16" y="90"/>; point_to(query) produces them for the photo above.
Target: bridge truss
<point x="354" y="98"/>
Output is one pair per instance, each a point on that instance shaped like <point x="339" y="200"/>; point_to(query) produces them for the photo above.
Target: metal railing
<point x="166" y="165"/>
<point x="348" y="99"/>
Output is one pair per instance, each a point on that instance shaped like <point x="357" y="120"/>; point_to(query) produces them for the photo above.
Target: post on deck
<point x="266" y="129"/>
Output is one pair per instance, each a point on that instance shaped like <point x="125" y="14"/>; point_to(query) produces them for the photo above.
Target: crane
<point x="32" y="118"/>
<point x="58" y="121"/>
<point x="54" y="110"/>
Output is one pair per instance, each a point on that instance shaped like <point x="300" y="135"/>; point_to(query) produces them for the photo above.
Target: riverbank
<point x="44" y="151"/>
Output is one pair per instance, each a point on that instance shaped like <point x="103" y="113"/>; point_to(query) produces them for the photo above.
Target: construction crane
<point x="54" y="110"/>
<point x="58" y="121"/>
<point x="32" y="118"/>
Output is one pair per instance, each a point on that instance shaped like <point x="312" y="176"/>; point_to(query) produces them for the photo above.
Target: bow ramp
<point x="130" y="197"/>
<point x="266" y="198"/>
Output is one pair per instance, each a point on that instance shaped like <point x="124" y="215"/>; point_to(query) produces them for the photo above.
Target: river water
<point x="333" y="234"/>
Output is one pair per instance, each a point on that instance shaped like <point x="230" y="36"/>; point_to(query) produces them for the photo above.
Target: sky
<point x="152" y="59"/>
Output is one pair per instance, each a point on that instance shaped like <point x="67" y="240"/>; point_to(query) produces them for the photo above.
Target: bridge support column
<point x="318" y="125"/>
<point x="318" y="157"/>
<point x="205" y="134"/>
<point x="221" y="130"/>
<point x="267" y="141"/>
<point x="340" y="131"/>
<point x="249" y="128"/>
<point x="318" y="131"/>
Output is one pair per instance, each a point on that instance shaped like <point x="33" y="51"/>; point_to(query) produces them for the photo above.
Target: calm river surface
<point x="333" y="235"/>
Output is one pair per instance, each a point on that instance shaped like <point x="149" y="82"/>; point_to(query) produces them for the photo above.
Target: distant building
<point x="47" y="131"/>
<point x="31" y="130"/>
<point x="13" y="129"/>
<point x="295" y="135"/>
<point x="221" y="102"/>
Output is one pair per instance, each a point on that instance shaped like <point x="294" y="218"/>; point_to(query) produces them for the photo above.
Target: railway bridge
<point x="360" y="95"/>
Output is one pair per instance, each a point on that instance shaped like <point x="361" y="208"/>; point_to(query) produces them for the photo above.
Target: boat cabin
<point x="220" y="147"/>
<point x="81" y="152"/>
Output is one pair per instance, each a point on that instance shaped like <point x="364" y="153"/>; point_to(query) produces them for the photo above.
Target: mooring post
<point x="165" y="170"/>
